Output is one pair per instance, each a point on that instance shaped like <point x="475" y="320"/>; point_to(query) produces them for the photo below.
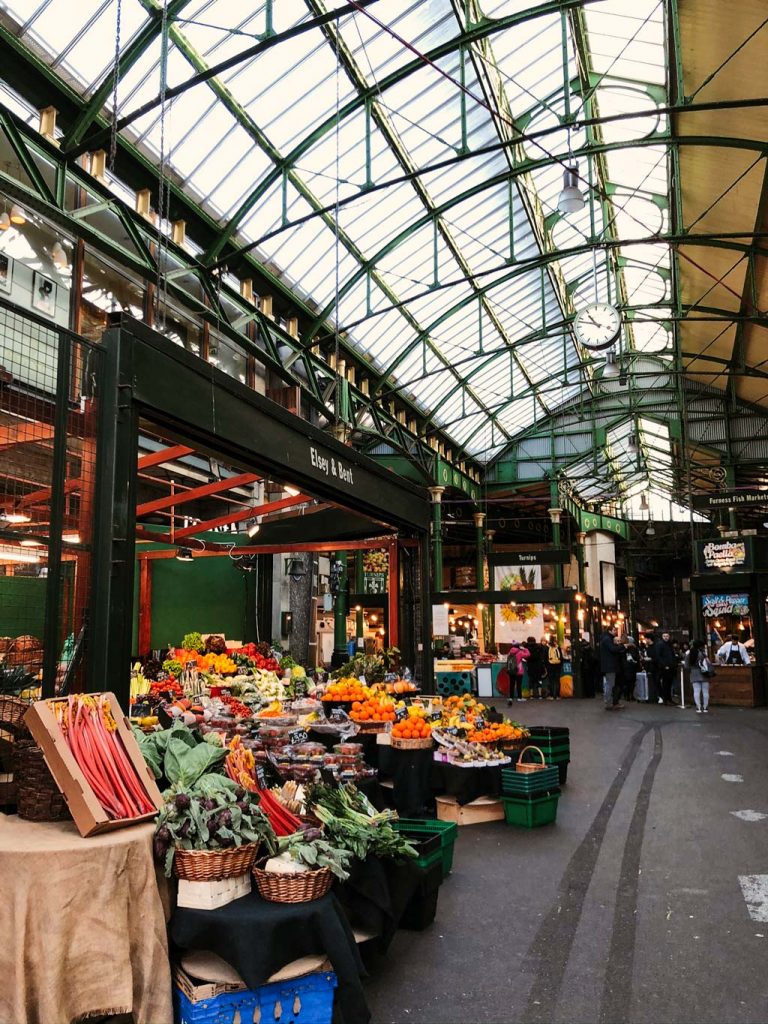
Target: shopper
<point x="700" y="670"/>
<point x="517" y="655"/>
<point x="733" y="652"/>
<point x="630" y="667"/>
<point x="610" y="654"/>
<point x="536" y="669"/>
<point x="665" y="662"/>
<point x="554" y="668"/>
<point x="590" y="668"/>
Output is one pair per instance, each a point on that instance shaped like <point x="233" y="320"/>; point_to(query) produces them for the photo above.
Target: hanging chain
<point x="115" y="83"/>
<point x="337" y="402"/>
<point x="163" y="192"/>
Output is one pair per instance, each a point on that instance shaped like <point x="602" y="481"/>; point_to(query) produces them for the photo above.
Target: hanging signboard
<point x="519" y="619"/>
<point x="724" y="555"/>
<point x="440" y="625"/>
<point x="730" y="499"/>
<point x="545" y="556"/>
<point x="715" y="605"/>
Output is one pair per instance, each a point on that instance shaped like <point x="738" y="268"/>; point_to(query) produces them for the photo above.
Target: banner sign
<point x="545" y="556"/>
<point x="519" y="619"/>
<point x="724" y="555"/>
<point x="730" y="499"/>
<point x="715" y="605"/>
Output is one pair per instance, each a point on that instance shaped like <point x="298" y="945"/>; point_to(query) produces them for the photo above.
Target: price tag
<point x="339" y="715"/>
<point x="296" y="736"/>
<point x="452" y="730"/>
<point x="435" y="716"/>
<point x="479" y="723"/>
<point x="261" y="777"/>
<point x="400" y="714"/>
<point x="140" y="711"/>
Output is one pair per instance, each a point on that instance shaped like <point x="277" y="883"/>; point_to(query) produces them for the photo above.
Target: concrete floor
<point x="629" y="909"/>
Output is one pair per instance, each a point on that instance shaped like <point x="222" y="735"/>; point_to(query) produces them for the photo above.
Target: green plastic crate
<point x="447" y="830"/>
<point x="530" y="813"/>
<point x="527" y="782"/>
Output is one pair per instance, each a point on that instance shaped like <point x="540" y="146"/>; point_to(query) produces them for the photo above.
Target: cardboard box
<point x="485" y="808"/>
<point x="214" y="894"/>
<point x="87" y="812"/>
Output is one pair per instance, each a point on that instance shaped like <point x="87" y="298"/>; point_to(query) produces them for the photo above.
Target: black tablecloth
<point x="257" y="938"/>
<point x="410" y="771"/>
<point x="378" y="892"/>
<point x="466" y="784"/>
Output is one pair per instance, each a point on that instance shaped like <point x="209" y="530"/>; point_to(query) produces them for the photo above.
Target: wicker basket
<point x="300" y="888"/>
<point x="371" y="727"/>
<point x="530" y="766"/>
<point x="38" y="797"/>
<point x="209" y="865"/>
<point x="398" y="743"/>
<point x="26" y="651"/>
<point x="12" y="710"/>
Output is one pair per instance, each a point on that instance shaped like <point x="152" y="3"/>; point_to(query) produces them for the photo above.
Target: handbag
<point x="706" y="669"/>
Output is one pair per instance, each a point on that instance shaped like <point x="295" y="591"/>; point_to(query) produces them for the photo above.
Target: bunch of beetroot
<point x="214" y="814"/>
<point x="258" y="655"/>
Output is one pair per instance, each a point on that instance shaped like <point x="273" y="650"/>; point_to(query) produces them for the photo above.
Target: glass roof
<point x="403" y="172"/>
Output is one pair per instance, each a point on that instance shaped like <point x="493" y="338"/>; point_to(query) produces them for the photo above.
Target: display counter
<point x="739" y="686"/>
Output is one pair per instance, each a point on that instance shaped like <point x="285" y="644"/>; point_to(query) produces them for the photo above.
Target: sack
<point x="554" y="655"/>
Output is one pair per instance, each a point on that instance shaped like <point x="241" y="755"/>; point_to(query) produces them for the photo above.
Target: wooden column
<point x="145" y="606"/>
<point x="393" y="594"/>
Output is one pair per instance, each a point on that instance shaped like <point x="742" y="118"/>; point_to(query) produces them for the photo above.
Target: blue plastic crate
<point x="305" y="1000"/>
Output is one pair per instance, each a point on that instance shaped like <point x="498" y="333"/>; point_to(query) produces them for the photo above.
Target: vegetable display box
<point x="304" y="1000"/>
<point x="131" y="771"/>
<point x="213" y="894"/>
<point x="444" y="831"/>
<point x="531" y="812"/>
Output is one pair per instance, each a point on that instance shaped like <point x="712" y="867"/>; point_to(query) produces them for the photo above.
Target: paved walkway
<point x="646" y="903"/>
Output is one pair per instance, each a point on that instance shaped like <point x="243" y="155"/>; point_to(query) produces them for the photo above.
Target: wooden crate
<point x="485" y="808"/>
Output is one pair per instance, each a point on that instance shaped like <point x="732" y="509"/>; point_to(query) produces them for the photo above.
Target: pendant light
<point x="643" y="503"/>
<point x="59" y="256"/>
<point x="571" y="198"/>
<point x="632" y="443"/>
<point x="611" y="368"/>
<point x="5" y="221"/>
<point x="17" y="215"/>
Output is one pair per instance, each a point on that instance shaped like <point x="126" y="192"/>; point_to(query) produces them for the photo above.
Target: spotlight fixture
<point x="571" y="199"/>
<point x="17" y="215"/>
<point x="5" y="221"/>
<point x="184" y="555"/>
<point x="650" y="530"/>
<point x="16" y="518"/>
<point x="253" y="528"/>
<point x="59" y="256"/>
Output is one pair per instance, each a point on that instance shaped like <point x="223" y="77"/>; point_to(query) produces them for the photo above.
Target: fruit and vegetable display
<point x="352" y="823"/>
<point x="375" y="561"/>
<point x="373" y="709"/>
<point x="88" y="726"/>
<point x="347" y="688"/>
<point x="308" y="850"/>
<point x="414" y="726"/>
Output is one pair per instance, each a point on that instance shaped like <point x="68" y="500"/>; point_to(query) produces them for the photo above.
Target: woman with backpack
<point x="554" y="668"/>
<point x="697" y="663"/>
<point x="516" y="659"/>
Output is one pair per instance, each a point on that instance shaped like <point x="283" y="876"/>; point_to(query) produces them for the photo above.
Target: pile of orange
<point x="412" y="728"/>
<point x="497" y="732"/>
<point x="372" y="710"/>
<point x="347" y="689"/>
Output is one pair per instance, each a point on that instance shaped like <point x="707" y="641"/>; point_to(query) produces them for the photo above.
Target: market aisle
<point x="629" y="909"/>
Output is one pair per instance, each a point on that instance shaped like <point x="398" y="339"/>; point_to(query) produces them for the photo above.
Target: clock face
<point x="597" y="326"/>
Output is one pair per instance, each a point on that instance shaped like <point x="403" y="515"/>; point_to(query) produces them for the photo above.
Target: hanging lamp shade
<point x="5" y="221"/>
<point x="611" y="368"/>
<point x="571" y="199"/>
<point x="650" y="530"/>
<point x="294" y="567"/>
<point x="59" y="256"/>
<point x="17" y="215"/>
<point x="643" y="503"/>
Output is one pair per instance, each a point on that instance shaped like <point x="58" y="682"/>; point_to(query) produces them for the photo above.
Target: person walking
<point x="610" y="654"/>
<point x="733" y="652"/>
<point x="665" y="661"/>
<point x="697" y="663"/>
<point x="516" y="658"/>
<point x="554" y="668"/>
<point x="536" y="669"/>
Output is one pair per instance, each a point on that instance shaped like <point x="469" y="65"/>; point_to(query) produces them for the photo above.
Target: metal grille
<point x="48" y="381"/>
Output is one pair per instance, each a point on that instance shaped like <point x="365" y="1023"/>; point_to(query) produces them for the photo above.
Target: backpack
<point x="554" y="655"/>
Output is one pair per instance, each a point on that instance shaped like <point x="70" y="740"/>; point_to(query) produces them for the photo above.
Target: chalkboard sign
<point x="400" y="714"/>
<point x="140" y="710"/>
<point x="452" y="730"/>
<point x="261" y="777"/>
<point x="296" y="736"/>
<point x="479" y="723"/>
<point x="435" y="716"/>
<point x="338" y="715"/>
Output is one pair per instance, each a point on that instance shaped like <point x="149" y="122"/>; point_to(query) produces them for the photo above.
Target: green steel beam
<point x="137" y="47"/>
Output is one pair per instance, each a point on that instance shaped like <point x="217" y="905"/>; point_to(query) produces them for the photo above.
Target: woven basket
<point x="26" y="651"/>
<point x="421" y="744"/>
<point x="13" y="709"/>
<point x="300" y="888"/>
<point x="38" y="797"/>
<point x="210" y="865"/>
<point x="529" y="766"/>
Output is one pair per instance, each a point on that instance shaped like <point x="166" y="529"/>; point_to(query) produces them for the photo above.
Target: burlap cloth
<point x="82" y="925"/>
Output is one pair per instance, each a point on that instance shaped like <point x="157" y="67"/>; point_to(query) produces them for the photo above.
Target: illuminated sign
<point x="715" y="605"/>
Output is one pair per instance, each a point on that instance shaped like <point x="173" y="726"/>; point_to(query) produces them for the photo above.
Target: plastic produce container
<point x="531" y="813"/>
<point x="446" y="830"/>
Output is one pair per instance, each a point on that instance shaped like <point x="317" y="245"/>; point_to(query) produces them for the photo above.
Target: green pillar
<point x="555" y="515"/>
<point x="580" y="539"/>
<point x="359" y="587"/>
<point x="490" y="610"/>
<point x="730" y="483"/>
<point x="340" y="613"/>
<point x="479" y="551"/>
<point x="437" y="537"/>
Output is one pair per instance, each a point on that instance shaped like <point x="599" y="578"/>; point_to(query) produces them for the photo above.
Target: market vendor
<point x="733" y="652"/>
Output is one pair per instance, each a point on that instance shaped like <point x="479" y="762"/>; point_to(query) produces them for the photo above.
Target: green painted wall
<point x="208" y="595"/>
<point x="22" y="606"/>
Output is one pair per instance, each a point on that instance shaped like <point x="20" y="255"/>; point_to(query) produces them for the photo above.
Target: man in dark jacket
<point x="664" y="662"/>
<point x="610" y="655"/>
